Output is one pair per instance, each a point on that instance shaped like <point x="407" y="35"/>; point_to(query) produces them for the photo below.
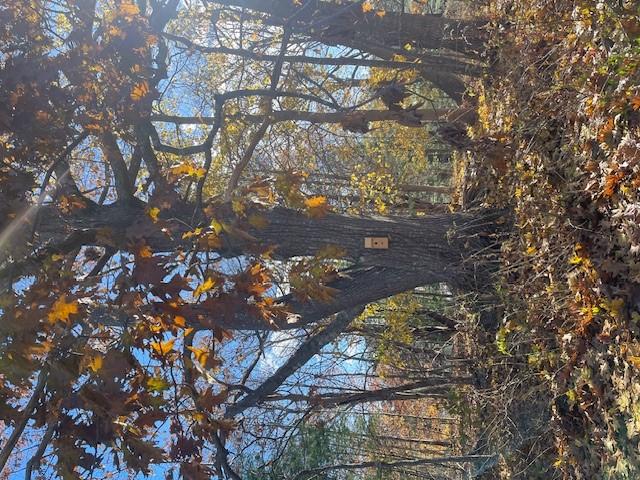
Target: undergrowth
<point x="557" y="141"/>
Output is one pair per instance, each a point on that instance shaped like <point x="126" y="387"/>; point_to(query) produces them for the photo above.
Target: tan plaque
<point x="378" y="243"/>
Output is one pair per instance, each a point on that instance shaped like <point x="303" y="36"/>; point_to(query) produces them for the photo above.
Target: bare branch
<point x="18" y="429"/>
<point x="305" y="352"/>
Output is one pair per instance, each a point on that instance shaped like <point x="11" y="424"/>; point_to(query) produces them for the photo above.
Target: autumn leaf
<point x="210" y="400"/>
<point x="317" y="206"/>
<point x="62" y="310"/>
<point x="204" y="287"/>
<point x="200" y="355"/>
<point x="367" y="7"/>
<point x="145" y="252"/>
<point x="633" y="360"/>
<point x="94" y="363"/>
<point x="153" y="213"/>
<point x="139" y="91"/>
<point x="381" y="13"/>
<point x="238" y="206"/>
<point x="162" y="348"/>
<point x="194" y="233"/>
<point x="129" y="9"/>
<point x="635" y="102"/>
<point x="157" y="384"/>
<point x="188" y="170"/>
<point x="217" y="226"/>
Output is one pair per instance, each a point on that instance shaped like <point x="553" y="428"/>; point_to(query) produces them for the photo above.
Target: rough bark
<point x="382" y="36"/>
<point x="411" y="118"/>
<point x="342" y="23"/>
<point x="421" y="251"/>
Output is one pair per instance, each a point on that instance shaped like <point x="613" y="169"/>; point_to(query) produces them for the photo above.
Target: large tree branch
<point x="412" y="118"/>
<point x="430" y="387"/>
<point x="305" y="352"/>
<point x="111" y="151"/>
<point x="379" y="464"/>
<point x="259" y="134"/>
<point x="361" y="288"/>
<point x="443" y="63"/>
<point x="18" y="429"/>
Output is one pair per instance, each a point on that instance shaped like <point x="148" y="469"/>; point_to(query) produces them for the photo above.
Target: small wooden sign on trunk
<point x="377" y="243"/>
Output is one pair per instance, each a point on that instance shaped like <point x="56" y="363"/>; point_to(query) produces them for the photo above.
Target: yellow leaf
<point x="315" y="202"/>
<point x="129" y="9"/>
<point x="62" y="310"/>
<point x="139" y="91"/>
<point x="180" y="321"/>
<point x="157" y="384"/>
<point x="381" y="13"/>
<point x="635" y="361"/>
<point x="162" y="348"/>
<point x="207" y="285"/>
<point x="238" y="206"/>
<point x="187" y="169"/>
<point x="193" y="233"/>
<point x="145" y="251"/>
<point x="217" y="226"/>
<point x="187" y="332"/>
<point x="95" y="363"/>
<point x="317" y="206"/>
<point x="201" y="355"/>
<point x="575" y="260"/>
<point x="367" y="7"/>
<point x="153" y="213"/>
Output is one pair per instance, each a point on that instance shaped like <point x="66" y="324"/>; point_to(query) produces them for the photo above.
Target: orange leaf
<point x="200" y="354"/>
<point x="62" y="310"/>
<point x="139" y="91"/>
<point x="205" y="286"/>
<point x="367" y="7"/>
<point x="162" y="348"/>
<point x="635" y="361"/>
<point x="193" y="233"/>
<point x="317" y="206"/>
<point x="129" y="9"/>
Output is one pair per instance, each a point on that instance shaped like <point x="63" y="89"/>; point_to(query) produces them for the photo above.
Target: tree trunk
<point x="420" y="251"/>
<point x="343" y="23"/>
<point x="347" y="25"/>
